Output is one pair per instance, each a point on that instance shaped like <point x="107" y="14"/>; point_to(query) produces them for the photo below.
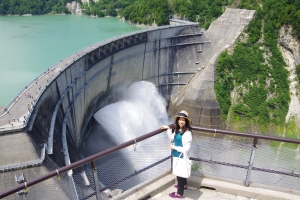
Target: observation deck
<point x="54" y="113"/>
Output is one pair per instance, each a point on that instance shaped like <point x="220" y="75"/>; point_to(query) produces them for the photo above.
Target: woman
<point x="181" y="136"/>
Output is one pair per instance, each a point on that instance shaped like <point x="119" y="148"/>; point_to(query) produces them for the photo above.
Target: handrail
<point x="131" y="142"/>
<point x="79" y="163"/>
<point x="249" y="135"/>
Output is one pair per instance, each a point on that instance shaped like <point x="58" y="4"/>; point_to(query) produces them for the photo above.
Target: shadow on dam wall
<point x="166" y="56"/>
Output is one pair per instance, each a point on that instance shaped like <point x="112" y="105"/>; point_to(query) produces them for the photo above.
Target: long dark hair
<point x="187" y="126"/>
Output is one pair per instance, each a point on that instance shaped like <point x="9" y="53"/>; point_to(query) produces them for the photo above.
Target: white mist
<point x="141" y="110"/>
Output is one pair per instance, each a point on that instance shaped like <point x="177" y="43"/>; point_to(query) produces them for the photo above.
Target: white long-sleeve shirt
<point x="186" y="141"/>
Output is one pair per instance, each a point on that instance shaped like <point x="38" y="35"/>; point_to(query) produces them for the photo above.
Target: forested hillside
<point x="34" y="7"/>
<point x="103" y="8"/>
<point x="203" y="11"/>
<point x="147" y="12"/>
<point x="252" y="84"/>
<point x="137" y="11"/>
<point x="159" y="11"/>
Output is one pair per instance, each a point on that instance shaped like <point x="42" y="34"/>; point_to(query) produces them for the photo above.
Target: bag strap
<point x="185" y="156"/>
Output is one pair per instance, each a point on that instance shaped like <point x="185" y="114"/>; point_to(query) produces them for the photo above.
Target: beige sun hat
<point x="183" y="114"/>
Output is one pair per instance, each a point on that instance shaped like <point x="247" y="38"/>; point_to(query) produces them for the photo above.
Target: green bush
<point x="224" y="83"/>
<point x="145" y="11"/>
<point x="195" y="167"/>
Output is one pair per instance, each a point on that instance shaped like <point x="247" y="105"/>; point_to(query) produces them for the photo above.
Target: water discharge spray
<point x="141" y="110"/>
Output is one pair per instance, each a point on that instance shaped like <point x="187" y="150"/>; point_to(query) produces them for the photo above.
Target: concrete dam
<point x="179" y="60"/>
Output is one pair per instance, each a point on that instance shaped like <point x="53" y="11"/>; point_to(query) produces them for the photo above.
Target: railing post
<point x="251" y="161"/>
<point x="94" y="168"/>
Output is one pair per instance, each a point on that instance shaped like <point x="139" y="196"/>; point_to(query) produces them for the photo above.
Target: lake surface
<point x="30" y="45"/>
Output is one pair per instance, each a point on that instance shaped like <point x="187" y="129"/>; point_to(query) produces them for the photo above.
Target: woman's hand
<point x="164" y="127"/>
<point x="172" y="146"/>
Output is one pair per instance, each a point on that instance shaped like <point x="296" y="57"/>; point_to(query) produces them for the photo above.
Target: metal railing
<point x="252" y="158"/>
<point x="90" y="159"/>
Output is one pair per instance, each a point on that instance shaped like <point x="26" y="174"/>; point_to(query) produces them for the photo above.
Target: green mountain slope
<point x="34" y="7"/>
<point x="252" y="84"/>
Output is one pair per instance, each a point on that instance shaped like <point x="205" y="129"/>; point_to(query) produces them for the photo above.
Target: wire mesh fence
<point x="275" y="165"/>
<point x="280" y="165"/>
<point x="131" y="167"/>
<point x="134" y="167"/>
<point x="220" y="157"/>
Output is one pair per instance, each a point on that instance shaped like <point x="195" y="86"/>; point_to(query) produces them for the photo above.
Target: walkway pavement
<point x="19" y="147"/>
<point x="200" y="188"/>
<point x="200" y="194"/>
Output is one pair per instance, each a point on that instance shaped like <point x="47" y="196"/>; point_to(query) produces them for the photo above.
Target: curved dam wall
<point x="179" y="60"/>
<point x="167" y="56"/>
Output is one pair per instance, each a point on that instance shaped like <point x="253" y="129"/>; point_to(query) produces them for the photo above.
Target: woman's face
<point x="181" y="122"/>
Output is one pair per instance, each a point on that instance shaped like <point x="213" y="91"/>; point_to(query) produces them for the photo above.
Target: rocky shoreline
<point x="153" y="25"/>
<point x="122" y="19"/>
<point x="24" y="15"/>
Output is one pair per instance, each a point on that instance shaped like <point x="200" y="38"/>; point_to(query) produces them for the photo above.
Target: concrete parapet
<point x="201" y="188"/>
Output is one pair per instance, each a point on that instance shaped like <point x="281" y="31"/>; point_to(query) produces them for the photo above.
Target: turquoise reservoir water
<point x="30" y="45"/>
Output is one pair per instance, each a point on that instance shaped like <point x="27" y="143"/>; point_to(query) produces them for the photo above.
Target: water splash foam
<point x="141" y="110"/>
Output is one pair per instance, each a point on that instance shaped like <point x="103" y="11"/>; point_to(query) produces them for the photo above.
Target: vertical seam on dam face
<point x="74" y="123"/>
<point x="110" y="72"/>
<point x="145" y="46"/>
<point x="158" y="63"/>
